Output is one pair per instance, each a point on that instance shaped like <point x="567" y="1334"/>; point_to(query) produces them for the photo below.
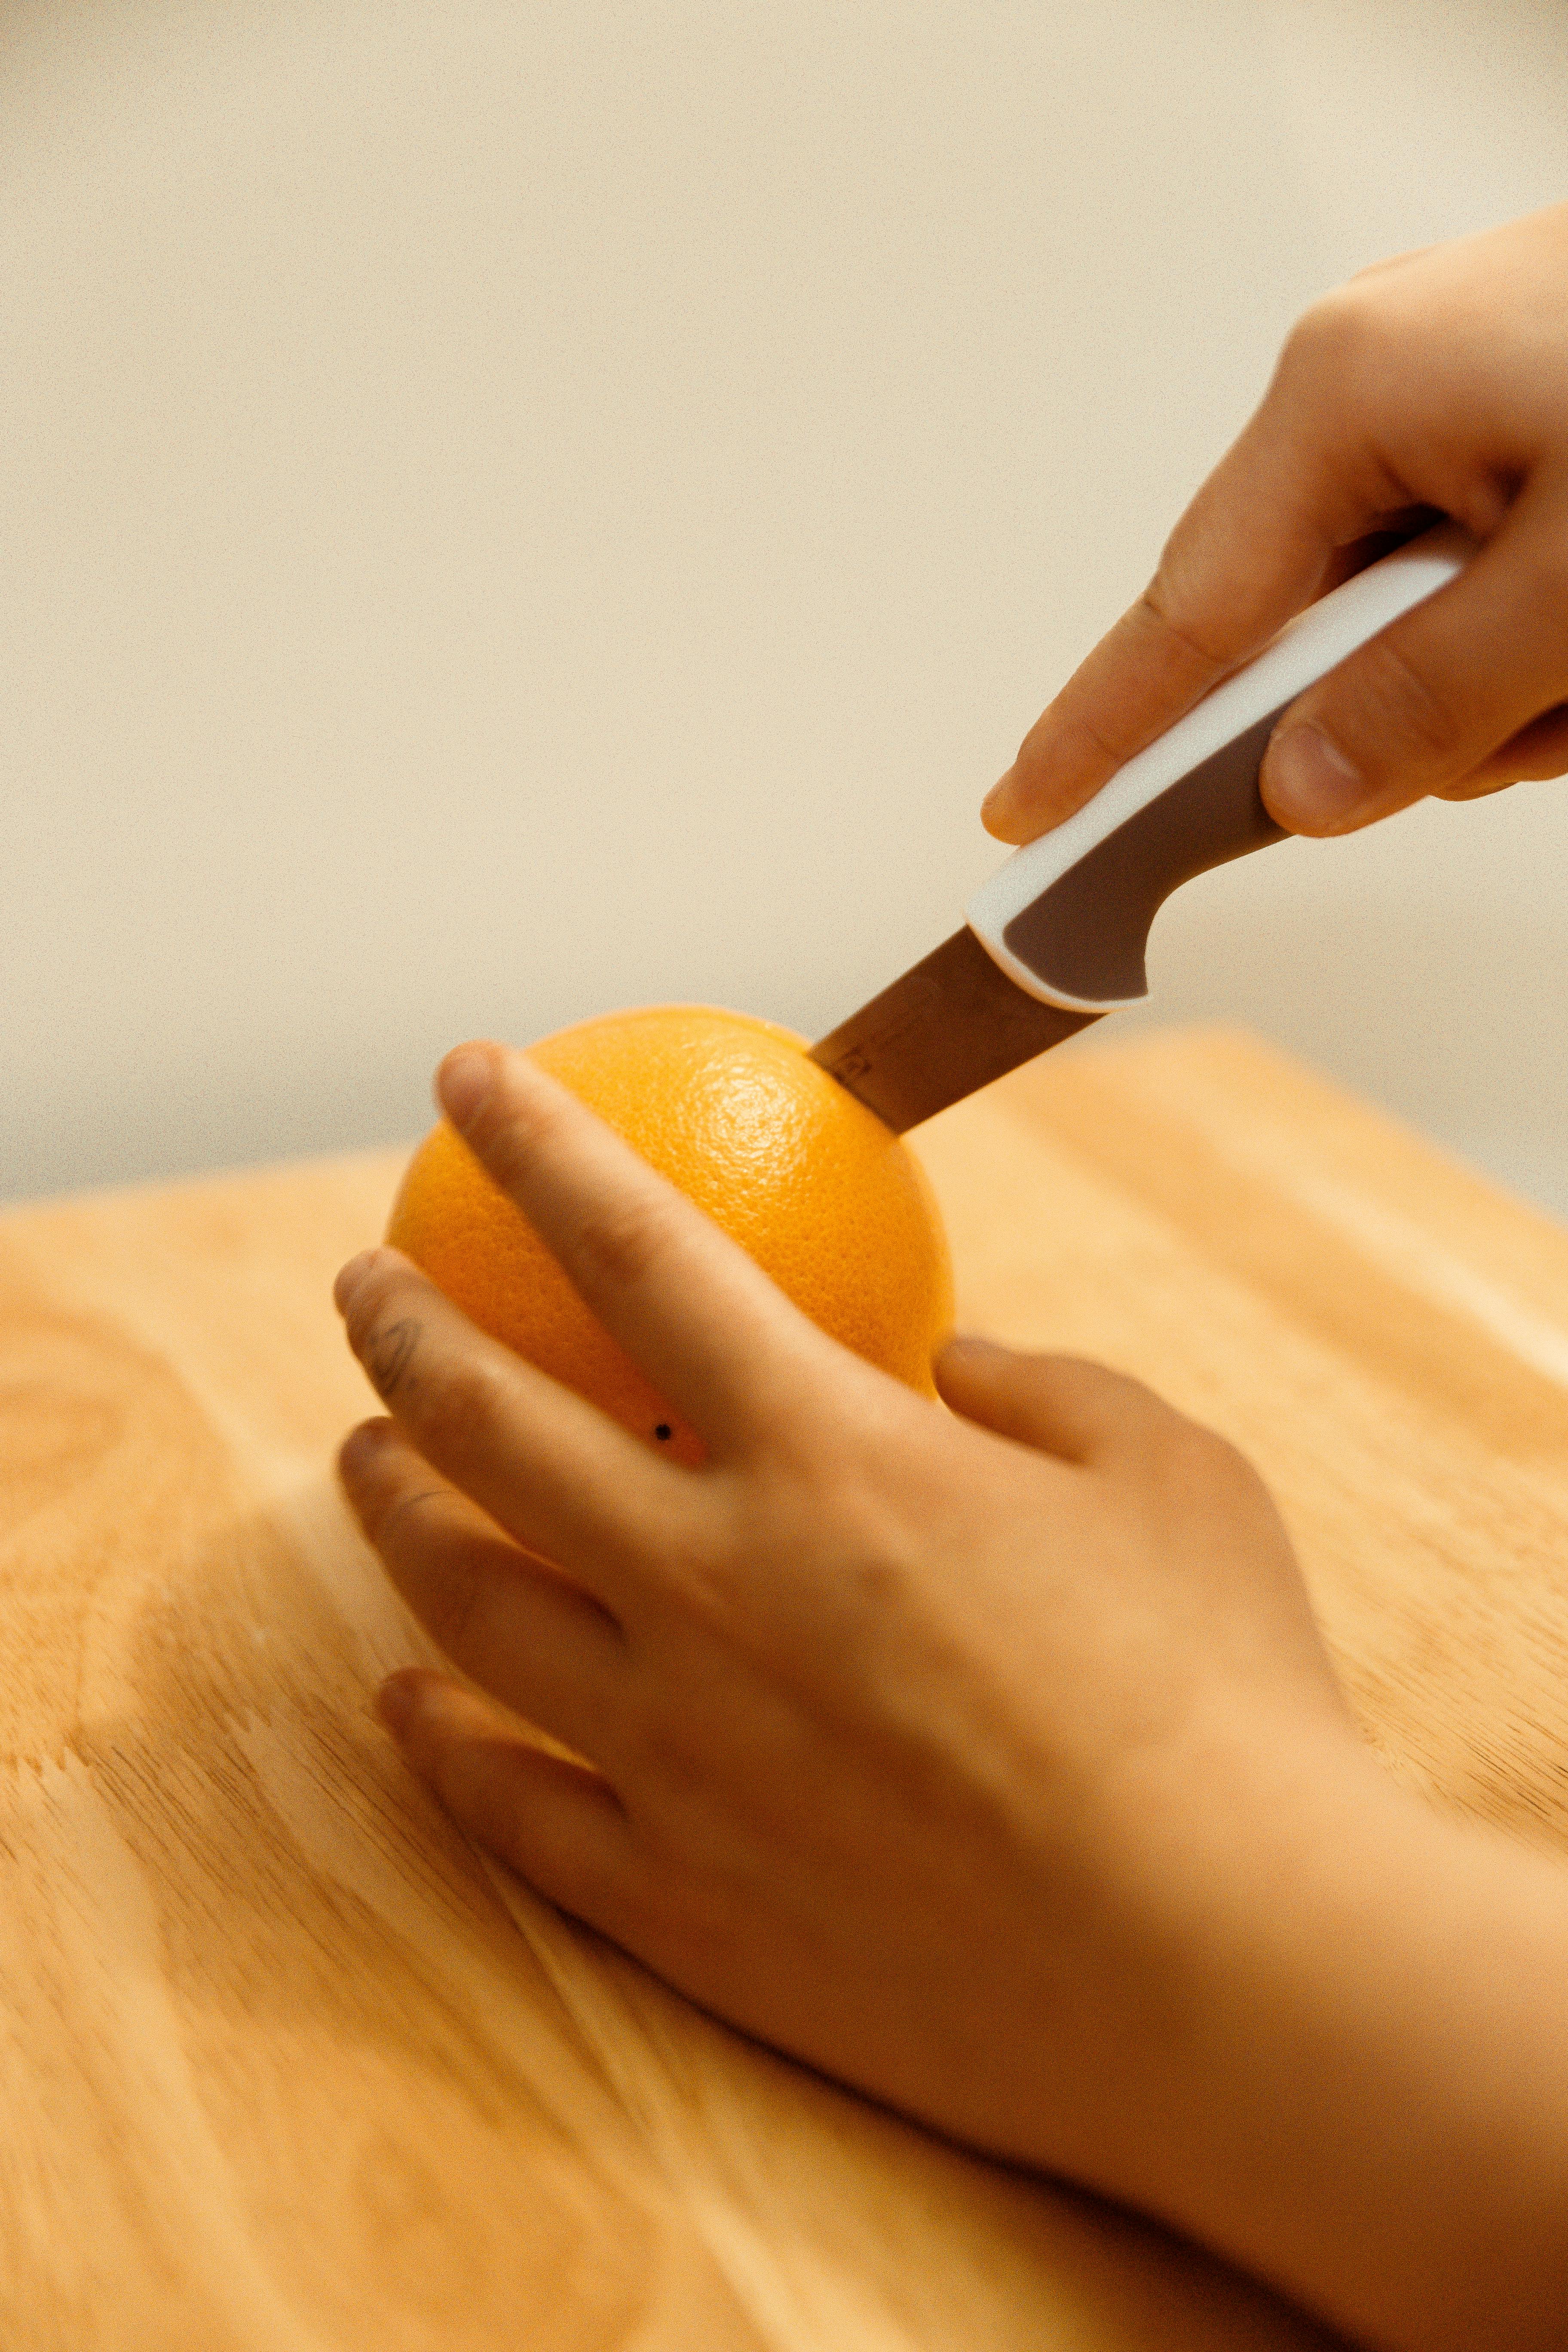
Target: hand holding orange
<point x="732" y="1111"/>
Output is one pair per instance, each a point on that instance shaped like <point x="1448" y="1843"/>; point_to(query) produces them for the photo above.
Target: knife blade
<point x="1056" y="939"/>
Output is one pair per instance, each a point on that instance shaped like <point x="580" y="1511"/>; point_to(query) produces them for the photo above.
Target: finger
<point x="1083" y="1413"/>
<point x="1536" y="753"/>
<point x="711" y="1330"/>
<point x="1439" y="691"/>
<point x="1259" y="540"/>
<point x="543" y="1646"/>
<point x="560" y="1826"/>
<point x="551" y="1469"/>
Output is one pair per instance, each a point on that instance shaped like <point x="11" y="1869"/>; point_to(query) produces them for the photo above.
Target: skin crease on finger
<point x="988" y="1758"/>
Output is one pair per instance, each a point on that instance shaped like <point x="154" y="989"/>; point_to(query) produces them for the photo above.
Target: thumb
<point x="1081" y="1413"/>
<point x="1439" y="698"/>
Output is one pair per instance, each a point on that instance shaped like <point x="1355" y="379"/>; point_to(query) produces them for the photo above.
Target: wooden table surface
<point x="288" y="2066"/>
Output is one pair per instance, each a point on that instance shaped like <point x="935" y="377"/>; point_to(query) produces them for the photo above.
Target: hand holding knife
<point x="1057" y="937"/>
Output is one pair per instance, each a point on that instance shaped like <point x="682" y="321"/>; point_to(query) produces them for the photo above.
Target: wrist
<point x="1363" y="2095"/>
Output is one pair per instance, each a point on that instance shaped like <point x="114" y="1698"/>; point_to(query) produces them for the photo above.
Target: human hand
<point x="933" y="1747"/>
<point x="990" y="1760"/>
<point x="1433" y="384"/>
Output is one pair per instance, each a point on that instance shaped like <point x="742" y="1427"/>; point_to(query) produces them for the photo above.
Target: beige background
<point x="509" y="509"/>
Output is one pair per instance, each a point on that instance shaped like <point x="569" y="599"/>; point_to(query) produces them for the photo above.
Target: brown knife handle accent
<point x="1086" y="935"/>
<point x="951" y="1024"/>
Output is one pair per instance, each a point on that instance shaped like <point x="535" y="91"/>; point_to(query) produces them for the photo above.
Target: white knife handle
<point x="1068" y="917"/>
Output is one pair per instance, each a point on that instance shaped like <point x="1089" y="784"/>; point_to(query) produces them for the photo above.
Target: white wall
<point x="505" y="510"/>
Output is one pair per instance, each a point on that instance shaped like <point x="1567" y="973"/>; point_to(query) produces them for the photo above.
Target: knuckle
<point x="1389" y="703"/>
<point x="449" y="1606"/>
<point x="1333" y="334"/>
<point x="454" y="1408"/>
<point x="879" y="1581"/>
<point x="618" y="1242"/>
<point x="1104" y="744"/>
<point x="864" y="1520"/>
<point x="1164" y="601"/>
<point x="710" y="1579"/>
<point x="879" y="1539"/>
<point x="394" y="1520"/>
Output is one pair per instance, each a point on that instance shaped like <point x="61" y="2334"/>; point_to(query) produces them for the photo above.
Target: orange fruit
<point x="732" y="1111"/>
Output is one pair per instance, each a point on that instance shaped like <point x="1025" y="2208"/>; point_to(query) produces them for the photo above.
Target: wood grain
<point x="289" y="2066"/>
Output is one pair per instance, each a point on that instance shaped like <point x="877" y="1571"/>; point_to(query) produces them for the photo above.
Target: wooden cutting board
<point x="289" y="2066"/>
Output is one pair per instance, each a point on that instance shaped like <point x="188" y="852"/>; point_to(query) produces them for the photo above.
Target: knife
<point x="1056" y="939"/>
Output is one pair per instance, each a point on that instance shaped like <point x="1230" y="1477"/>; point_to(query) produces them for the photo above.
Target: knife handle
<point x="1068" y="917"/>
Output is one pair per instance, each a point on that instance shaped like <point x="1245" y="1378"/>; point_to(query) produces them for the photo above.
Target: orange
<point x="732" y="1111"/>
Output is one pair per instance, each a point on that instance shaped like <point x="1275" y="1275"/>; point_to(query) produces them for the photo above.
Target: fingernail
<point x="1307" y="783"/>
<point x="994" y="807"/>
<point x="463" y="1081"/>
<point x="348" y="1280"/>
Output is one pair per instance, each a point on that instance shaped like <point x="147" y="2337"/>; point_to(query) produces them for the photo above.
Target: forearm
<point x="1371" y="2106"/>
